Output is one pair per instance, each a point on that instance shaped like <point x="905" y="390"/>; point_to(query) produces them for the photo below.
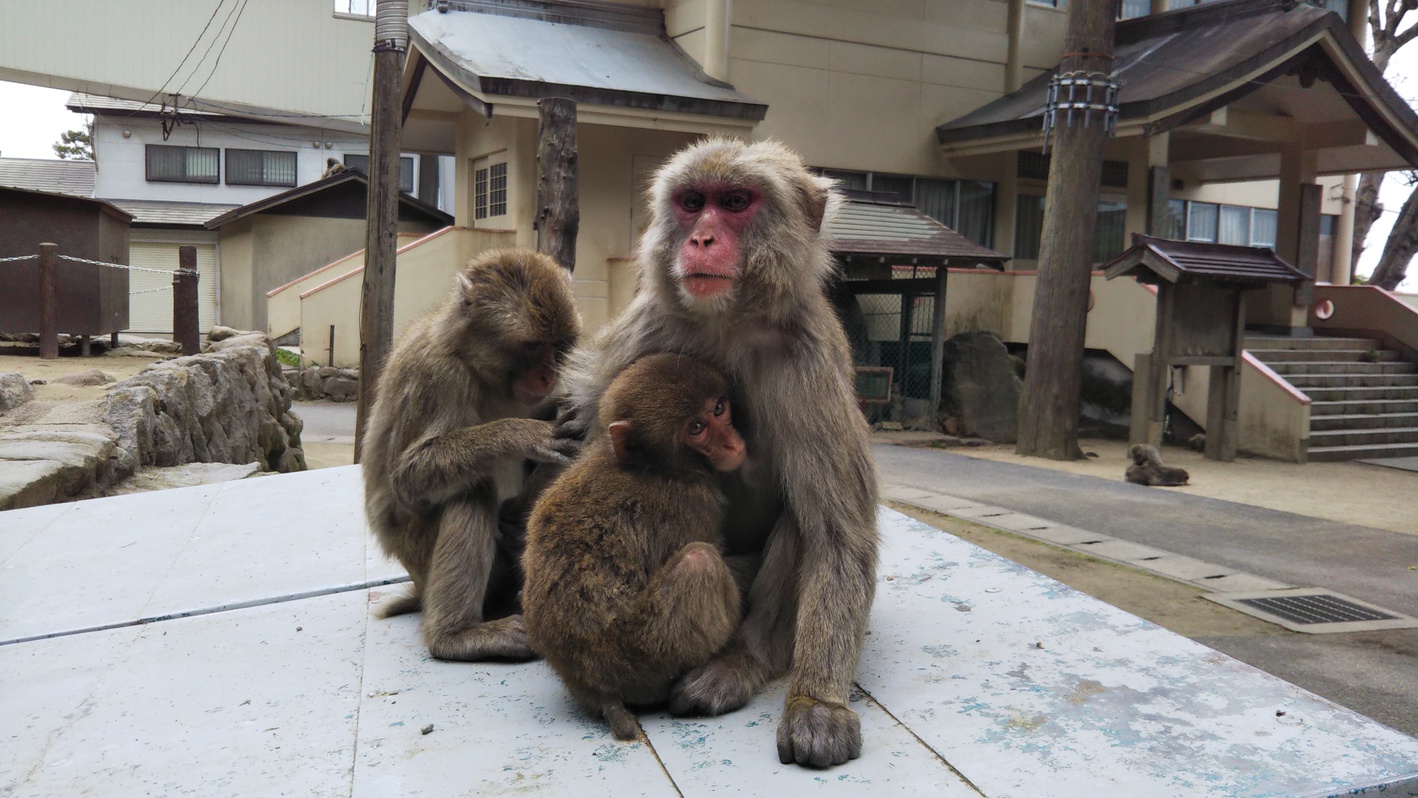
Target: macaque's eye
<point x="692" y="201"/>
<point x="736" y="201"/>
<point x="720" y="406"/>
<point x="697" y="427"/>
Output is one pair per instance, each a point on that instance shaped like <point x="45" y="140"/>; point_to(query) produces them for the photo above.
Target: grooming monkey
<point x="626" y="590"/>
<point x="448" y="439"/>
<point x="1147" y="468"/>
<point x="733" y="268"/>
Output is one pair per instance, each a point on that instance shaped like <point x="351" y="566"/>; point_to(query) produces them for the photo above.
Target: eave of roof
<point x="48" y="174"/>
<point x="1180" y="65"/>
<point x="323" y="184"/>
<point x="876" y="228"/>
<point x="530" y="51"/>
<point x="1154" y="260"/>
<point x="158" y="213"/>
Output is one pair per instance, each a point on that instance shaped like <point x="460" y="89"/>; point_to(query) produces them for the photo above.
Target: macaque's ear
<point x="814" y="192"/>
<point x="464" y="284"/>
<point x="621" y="434"/>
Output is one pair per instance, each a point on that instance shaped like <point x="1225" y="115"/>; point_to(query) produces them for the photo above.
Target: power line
<point x="218" y="62"/>
<point x="197" y="41"/>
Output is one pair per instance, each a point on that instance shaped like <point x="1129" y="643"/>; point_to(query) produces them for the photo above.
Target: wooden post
<point x="558" y="203"/>
<point x="1159" y="205"/>
<point x="184" y="301"/>
<point x="1052" y="398"/>
<point x="938" y="340"/>
<point x="376" y="313"/>
<point x="48" y="301"/>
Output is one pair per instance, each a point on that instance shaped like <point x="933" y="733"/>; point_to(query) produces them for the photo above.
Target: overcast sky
<point x="34" y="117"/>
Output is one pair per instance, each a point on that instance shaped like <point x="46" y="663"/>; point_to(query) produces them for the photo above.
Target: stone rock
<point x="220" y="333"/>
<point x="341" y="388"/>
<point x="40" y="465"/>
<point x="184" y="476"/>
<point x="979" y="387"/>
<point x="88" y="377"/>
<point x="14" y="391"/>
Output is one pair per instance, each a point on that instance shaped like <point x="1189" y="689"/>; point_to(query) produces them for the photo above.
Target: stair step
<point x="1354" y="394"/>
<point x="1306" y="382"/>
<point x="1364" y="437"/>
<point x="1334" y="453"/>
<point x="1269" y="356"/>
<point x="1298" y="368"/>
<point x="1316" y="342"/>
<point x="1361" y="421"/>
<point x="1369" y="407"/>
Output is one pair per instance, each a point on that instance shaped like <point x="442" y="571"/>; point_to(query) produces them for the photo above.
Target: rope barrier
<point x="73" y="259"/>
<point x="150" y="290"/>
<point x="19" y="257"/>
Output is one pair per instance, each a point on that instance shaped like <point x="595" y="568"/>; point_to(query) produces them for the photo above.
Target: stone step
<point x="1334" y="453"/>
<point x="1343" y="367"/>
<point x="1269" y="356"/>
<point x="1369" y="407"/>
<point x="1364" y="437"/>
<point x="1355" y="394"/>
<point x="1313" y="343"/>
<point x="1362" y="421"/>
<point x="1306" y="382"/>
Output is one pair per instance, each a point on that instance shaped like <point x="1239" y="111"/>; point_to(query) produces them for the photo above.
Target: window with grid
<point x="173" y="164"/>
<point x="259" y="168"/>
<point x="490" y="191"/>
<point x="406" y="169"/>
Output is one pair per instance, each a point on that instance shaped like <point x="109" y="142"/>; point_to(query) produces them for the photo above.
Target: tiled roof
<point x="154" y="213"/>
<point x="48" y="174"/>
<point x="873" y="227"/>
<point x="1153" y="260"/>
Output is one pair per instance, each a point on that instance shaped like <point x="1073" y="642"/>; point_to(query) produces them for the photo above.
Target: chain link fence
<point x="893" y="331"/>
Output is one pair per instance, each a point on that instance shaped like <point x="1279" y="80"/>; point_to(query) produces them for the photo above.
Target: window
<point x="1035" y="166"/>
<point x="1235" y="226"/>
<point x="169" y="164"/>
<point x="1175" y="226"/>
<point x="1108" y="234"/>
<point x="847" y="181"/>
<point x="1201" y="222"/>
<point x="490" y="191"/>
<point x="355" y="8"/>
<point x="406" y="169"/>
<point x="259" y="168"/>
<point x="1263" y="225"/>
<point x="893" y="184"/>
<point x="1028" y="226"/>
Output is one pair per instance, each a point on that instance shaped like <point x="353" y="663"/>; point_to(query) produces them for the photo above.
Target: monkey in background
<point x="1147" y="468"/>
<point x="447" y="442"/>
<point x="733" y="268"/>
<point x="626" y="589"/>
<point x="332" y="168"/>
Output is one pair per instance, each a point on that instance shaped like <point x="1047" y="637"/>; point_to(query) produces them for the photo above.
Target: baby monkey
<point x="1147" y="468"/>
<point x="626" y="589"/>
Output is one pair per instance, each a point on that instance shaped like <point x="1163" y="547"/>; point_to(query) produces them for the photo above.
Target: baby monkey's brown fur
<point x="1147" y="468"/>
<point x="626" y="588"/>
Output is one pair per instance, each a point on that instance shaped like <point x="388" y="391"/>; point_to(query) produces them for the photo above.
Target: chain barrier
<point x="73" y="259"/>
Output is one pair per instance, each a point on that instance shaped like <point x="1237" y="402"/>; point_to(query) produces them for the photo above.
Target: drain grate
<point x="1313" y="610"/>
<point x="1316" y="608"/>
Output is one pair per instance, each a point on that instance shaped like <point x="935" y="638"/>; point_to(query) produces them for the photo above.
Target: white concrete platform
<point x="216" y="640"/>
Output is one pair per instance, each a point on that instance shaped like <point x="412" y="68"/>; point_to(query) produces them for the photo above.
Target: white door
<point x="150" y="295"/>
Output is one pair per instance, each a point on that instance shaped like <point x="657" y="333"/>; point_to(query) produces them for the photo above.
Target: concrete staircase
<point x="1364" y="399"/>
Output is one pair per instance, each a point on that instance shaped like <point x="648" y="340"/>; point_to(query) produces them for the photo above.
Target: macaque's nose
<point x="701" y="240"/>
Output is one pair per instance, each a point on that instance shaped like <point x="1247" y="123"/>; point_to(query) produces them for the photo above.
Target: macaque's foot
<point x="723" y="685"/>
<point x="818" y="734"/>
<point x="502" y="639"/>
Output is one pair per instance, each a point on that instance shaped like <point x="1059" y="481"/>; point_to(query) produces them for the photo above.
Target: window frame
<point x="149" y="149"/>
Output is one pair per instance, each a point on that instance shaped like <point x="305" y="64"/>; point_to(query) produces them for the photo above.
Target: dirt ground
<point x="119" y="364"/>
<point x="1351" y="493"/>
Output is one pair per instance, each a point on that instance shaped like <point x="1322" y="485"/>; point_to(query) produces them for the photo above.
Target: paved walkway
<point x="217" y="640"/>
<point x="1216" y="546"/>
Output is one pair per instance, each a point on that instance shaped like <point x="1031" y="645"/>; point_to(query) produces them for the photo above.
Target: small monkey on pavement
<point x="626" y="588"/>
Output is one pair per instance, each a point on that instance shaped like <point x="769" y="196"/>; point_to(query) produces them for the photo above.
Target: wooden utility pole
<point x="185" y="329"/>
<point x="48" y="301"/>
<point x="376" y="309"/>
<point x="558" y="199"/>
<point x="1050" y="404"/>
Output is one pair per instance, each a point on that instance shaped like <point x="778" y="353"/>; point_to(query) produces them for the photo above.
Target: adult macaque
<point x="626" y="590"/>
<point x="448" y="438"/>
<point x="1147" y="468"/>
<point x="733" y="268"/>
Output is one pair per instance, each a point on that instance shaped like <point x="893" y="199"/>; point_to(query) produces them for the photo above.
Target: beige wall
<point x="291" y="55"/>
<point x="425" y="271"/>
<point x="283" y="303"/>
<point x="271" y="250"/>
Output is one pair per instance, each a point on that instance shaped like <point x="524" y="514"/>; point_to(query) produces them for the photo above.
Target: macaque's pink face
<point x="712" y="434"/>
<point x="712" y="218"/>
<point x="539" y="377"/>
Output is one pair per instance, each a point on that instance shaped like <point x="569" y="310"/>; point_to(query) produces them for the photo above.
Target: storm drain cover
<point x="1313" y="610"/>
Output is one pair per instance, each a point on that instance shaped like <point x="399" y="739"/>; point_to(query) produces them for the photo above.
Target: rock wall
<point x="227" y="405"/>
<point x="325" y="383"/>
